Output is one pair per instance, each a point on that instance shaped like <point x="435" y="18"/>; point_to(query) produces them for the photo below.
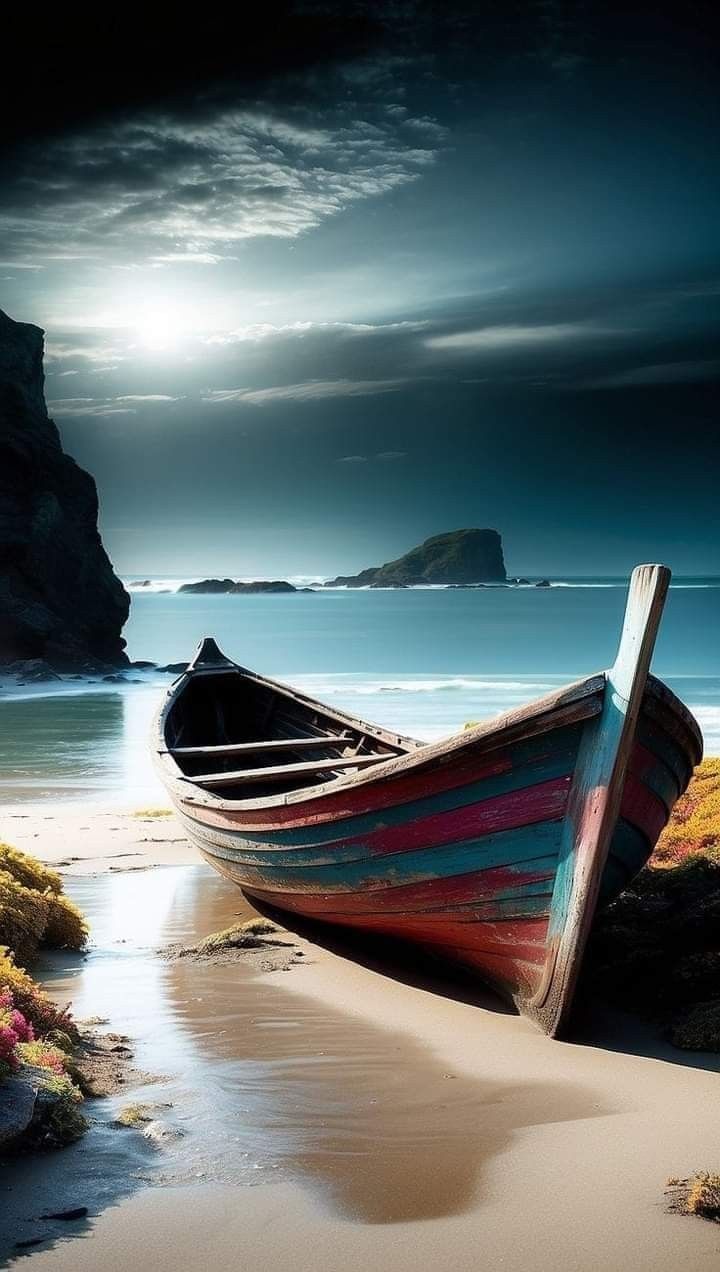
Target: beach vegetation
<point x="655" y="949"/>
<point x="231" y="938"/>
<point x="26" y="870"/>
<point x="259" y="926"/>
<point x="704" y="1195"/>
<point x="698" y="1195"/>
<point x="134" y="1115"/>
<point x="29" y="999"/>
<point x="694" y="828"/>
<point x="33" y="910"/>
<point x="152" y="812"/>
<point x="42" y="1055"/>
<point x="58" y="1119"/>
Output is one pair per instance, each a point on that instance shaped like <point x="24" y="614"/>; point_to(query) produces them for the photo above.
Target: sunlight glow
<point x="162" y="327"/>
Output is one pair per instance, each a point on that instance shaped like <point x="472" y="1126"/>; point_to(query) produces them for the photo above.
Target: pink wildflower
<point x="21" y="1026"/>
<point x="8" y="1043"/>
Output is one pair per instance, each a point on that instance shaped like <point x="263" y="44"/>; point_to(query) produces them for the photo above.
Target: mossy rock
<point x="57" y="1119"/>
<point x="135" y="1115"/>
<point x="240" y="936"/>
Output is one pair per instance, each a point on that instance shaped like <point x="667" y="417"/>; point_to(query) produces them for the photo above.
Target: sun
<point x="161" y="328"/>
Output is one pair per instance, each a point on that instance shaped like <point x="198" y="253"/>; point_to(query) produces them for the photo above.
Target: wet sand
<point x="355" y="1110"/>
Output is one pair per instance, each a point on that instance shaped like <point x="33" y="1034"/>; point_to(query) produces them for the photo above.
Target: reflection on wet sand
<point x="265" y="1082"/>
<point x="371" y="1119"/>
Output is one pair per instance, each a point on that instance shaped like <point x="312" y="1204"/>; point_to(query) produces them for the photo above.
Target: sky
<point x="344" y="276"/>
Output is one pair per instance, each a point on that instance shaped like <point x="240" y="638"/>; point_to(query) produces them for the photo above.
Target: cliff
<point x="59" y="597"/>
<point x="460" y="556"/>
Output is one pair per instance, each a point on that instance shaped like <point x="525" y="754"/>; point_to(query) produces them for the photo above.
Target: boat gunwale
<point x="571" y="700"/>
<point x="580" y="700"/>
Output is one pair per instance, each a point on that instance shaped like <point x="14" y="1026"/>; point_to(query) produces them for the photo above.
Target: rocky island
<point x="60" y="600"/>
<point x="459" y="556"/>
<point x="219" y="587"/>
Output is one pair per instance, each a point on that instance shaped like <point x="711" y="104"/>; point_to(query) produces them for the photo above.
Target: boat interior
<point x="240" y="736"/>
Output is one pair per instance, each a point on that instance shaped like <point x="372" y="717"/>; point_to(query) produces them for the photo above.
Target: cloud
<point x="165" y="190"/>
<point x="659" y="373"/>
<point x="124" y="404"/>
<point x="383" y="456"/>
<point x="512" y="337"/>
<point x="266" y="330"/>
<point x="312" y="390"/>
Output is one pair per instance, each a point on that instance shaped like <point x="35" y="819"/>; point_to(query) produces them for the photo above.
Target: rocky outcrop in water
<point x="229" y="586"/>
<point x="59" y="598"/>
<point x="460" y="556"/>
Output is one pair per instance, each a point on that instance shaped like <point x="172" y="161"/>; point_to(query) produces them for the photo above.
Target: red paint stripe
<point x="476" y="937"/>
<point x="355" y="800"/>
<point x="465" y="889"/>
<point x="643" y="809"/>
<point x="508" y="975"/>
<point x="544" y="802"/>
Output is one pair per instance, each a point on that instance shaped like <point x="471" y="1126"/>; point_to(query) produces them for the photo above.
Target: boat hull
<point x="466" y="858"/>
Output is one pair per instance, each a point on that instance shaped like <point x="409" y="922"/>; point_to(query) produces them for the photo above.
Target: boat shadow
<point x="398" y="960"/>
<point x="597" y="1023"/>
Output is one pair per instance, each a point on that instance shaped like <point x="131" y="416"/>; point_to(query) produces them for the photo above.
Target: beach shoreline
<point x="492" y="1138"/>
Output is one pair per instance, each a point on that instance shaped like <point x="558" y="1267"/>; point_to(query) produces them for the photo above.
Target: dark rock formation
<point x="229" y="586"/>
<point x="460" y="556"/>
<point x="543" y="583"/>
<point x="59" y="598"/>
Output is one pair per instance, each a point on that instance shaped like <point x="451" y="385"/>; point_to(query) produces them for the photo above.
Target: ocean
<point x="423" y="661"/>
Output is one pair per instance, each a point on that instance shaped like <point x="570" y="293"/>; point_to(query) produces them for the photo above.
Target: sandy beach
<point x="405" y="1118"/>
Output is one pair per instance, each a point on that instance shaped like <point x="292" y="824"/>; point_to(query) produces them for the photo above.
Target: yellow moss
<point x="134" y="1115"/>
<point x="33" y="911"/>
<point x="258" y="927"/>
<point x="695" y="824"/>
<point x="703" y="1197"/>
<point x="66" y="927"/>
<point x="23" y="917"/>
<point x="29" y="872"/>
<point x="231" y="938"/>
<point x="43" y="1055"/>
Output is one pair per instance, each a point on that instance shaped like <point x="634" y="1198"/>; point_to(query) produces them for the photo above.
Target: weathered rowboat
<point x="492" y="848"/>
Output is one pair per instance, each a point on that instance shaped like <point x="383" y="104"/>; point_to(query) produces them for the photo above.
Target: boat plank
<point x="280" y="772"/>
<point x="274" y="744"/>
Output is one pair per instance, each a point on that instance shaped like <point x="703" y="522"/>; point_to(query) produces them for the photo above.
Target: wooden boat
<point x="492" y="847"/>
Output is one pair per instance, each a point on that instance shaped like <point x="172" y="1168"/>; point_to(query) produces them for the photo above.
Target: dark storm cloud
<point x="161" y="190"/>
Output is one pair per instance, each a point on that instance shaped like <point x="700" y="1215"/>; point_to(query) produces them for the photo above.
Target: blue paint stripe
<point x="629" y="850"/>
<point x="251" y="852"/>
<point x="655" y="739"/>
<point x="501" y="849"/>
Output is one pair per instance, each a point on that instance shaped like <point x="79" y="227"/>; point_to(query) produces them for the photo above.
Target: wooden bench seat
<point x="276" y="744"/>
<point x="282" y="772"/>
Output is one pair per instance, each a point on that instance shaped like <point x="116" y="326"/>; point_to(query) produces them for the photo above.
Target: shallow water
<point x="265" y="1082"/>
<point x="422" y="662"/>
